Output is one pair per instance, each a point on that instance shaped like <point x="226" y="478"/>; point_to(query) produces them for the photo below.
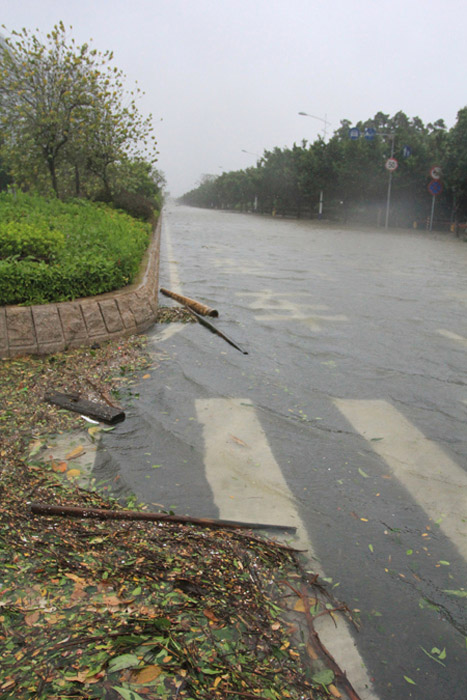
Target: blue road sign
<point x="354" y="133"/>
<point x="406" y="151"/>
<point x="370" y="133"/>
<point x="435" y="187"/>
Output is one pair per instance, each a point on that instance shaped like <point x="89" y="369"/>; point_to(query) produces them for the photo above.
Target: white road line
<point x="452" y="336"/>
<point x="248" y="484"/>
<point x="434" y="481"/>
<point x="174" y="281"/>
<point x="174" y="278"/>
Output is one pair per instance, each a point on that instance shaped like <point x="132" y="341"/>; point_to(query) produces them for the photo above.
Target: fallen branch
<point x="190" y="303"/>
<point x="98" y="411"/>
<point x="104" y="514"/>
<point x="215" y="330"/>
<point x="104" y="394"/>
<point x="317" y="644"/>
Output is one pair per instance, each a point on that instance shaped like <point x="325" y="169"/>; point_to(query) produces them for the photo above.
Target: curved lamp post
<point x="325" y="121"/>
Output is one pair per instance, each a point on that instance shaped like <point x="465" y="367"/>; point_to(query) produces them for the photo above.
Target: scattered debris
<point x="173" y="314"/>
<point x="73" y="402"/>
<point x="133" y="609"/>
<point x="191" y="303"/>
<point x="215" y="330"/>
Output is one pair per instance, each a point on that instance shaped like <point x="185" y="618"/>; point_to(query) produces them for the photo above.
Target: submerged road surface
<point x="347" y="418"/>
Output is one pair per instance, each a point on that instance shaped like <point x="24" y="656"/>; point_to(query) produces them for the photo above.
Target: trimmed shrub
<point x="75" y="249"/>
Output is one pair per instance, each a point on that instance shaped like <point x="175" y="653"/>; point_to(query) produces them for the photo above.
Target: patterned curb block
<point x="50" y="328"/>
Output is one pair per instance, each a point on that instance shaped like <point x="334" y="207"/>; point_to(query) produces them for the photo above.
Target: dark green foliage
<point x="137" y="205"/>
<point x="91" y="249"/>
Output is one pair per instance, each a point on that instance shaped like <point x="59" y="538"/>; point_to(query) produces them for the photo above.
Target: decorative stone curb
<point x="39" y="330"/>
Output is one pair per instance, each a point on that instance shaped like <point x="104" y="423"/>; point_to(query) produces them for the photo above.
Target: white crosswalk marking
<point x="433" y="479"/>
<point x="248" y="484"/>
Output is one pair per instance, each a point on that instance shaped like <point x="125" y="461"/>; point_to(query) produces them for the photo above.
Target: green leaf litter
<point x="117" y="609"/>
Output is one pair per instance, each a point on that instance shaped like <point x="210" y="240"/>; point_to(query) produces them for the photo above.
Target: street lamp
<point x="326" y="123"/>
<point x="250" y="153"/>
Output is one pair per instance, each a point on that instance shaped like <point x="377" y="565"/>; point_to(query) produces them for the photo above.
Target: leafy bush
<point x="26" y="240"/>
<point x="135" y="204"/>
<point x="76" y="249"/>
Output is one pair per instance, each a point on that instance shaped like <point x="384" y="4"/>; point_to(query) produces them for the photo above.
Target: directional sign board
<point x="391" y="164"/>
<point x="435" y="187"/>
<point x="370" y="133"/>
<point x="435" y="172"/>
<point x="354" y="133"/>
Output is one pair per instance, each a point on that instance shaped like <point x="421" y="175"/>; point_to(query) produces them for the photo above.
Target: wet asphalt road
<point x="356" y="369"/>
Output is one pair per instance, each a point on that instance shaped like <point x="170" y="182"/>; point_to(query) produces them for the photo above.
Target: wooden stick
<point x="98" y="411"/>
<point x="215" y="330"/>
<point x="191" y="303"/>
<point x="104" y="514"/>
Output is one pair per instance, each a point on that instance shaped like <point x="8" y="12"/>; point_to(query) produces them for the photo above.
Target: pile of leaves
<point x="133" y="610"/>
<point x="96" y="373"/>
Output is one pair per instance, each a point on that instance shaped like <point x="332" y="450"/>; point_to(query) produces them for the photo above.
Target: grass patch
<point x="57" y="251"/>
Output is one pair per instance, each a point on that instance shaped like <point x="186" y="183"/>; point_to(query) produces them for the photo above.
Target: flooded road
<point x="346" y="418"/>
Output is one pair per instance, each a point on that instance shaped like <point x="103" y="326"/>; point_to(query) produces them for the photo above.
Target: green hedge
<point x="56" y="251"/>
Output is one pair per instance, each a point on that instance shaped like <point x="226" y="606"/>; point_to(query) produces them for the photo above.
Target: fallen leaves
<point x="77" y="452"/>
<point x="146" y="610"/>
<point x="147" y="675"/>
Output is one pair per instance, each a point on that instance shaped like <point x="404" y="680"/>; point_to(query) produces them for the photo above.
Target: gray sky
<point x="227" y="75"/>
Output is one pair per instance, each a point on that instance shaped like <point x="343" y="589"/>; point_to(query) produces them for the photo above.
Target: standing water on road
<point x="346" y="418"/>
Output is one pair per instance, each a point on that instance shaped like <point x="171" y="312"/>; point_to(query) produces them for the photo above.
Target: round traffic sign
<point x="436" y="172"/>
<point x="435" y="187"/>
<point x="391" y="164"/>
<point x="354" y="133"/>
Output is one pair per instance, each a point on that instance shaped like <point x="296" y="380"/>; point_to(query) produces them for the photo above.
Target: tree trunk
<point x="53" y="174"/>
<point x="77" y="182"/>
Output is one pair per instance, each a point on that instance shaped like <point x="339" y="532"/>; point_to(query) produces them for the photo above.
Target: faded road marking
<point x="453" y="336"/>
<point x="281" y="308"/>
<point x="434" y="481"/>
<point x="174" y="278"/>
<point x="248" y="484"/>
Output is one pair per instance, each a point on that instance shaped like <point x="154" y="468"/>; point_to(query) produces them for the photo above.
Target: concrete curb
<point x="50" y="328"/>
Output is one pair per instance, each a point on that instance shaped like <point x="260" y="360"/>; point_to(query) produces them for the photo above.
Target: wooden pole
<point x="191" y="303"/>
<point x="104" y="514"/>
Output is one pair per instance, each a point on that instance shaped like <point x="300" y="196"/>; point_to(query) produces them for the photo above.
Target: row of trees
<point x="351" y="174"/>
<point x="68" y="125"/>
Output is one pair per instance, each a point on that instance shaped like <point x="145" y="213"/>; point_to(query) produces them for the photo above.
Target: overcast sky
<point x="231" y="75"/>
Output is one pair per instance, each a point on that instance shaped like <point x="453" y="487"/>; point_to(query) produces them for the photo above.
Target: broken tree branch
<point x="215" y="330"/>
<point x="98" y="411"/>
<point x="104" y="514"/>
<point x="190" y="303"/>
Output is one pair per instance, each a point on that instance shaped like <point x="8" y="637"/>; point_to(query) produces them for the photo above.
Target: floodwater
<point x="346" y="418"/>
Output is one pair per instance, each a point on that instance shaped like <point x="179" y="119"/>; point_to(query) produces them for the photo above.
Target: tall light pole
<point x="326" y="123"/>
<point x="391" y="137"/>
<point x="250" y="153"/>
